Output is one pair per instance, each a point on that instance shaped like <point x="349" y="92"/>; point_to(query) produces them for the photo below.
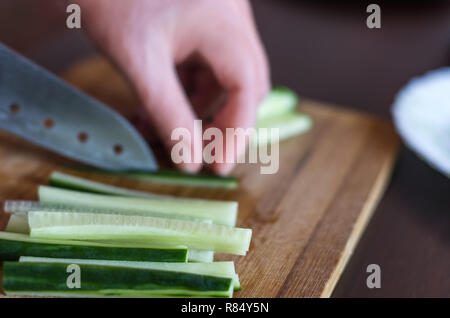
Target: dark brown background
<point x="324" y="51"/>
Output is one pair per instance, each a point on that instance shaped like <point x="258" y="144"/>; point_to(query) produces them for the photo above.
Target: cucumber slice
<point x="103" y="281"/>
<point x="219" y="212"/>
<point x="171" y="177"/>
<point x="18" y="223"/>
<point x="20" y="209"/>
<point x="200" y="256"/>
<point x="13" y="245"/>
<point x="130" y="228"/>
<point x="281" y="100"/>
<point x="289" y="125"/>
<point x="218" y="269"/>
<point x="62" y="180"/>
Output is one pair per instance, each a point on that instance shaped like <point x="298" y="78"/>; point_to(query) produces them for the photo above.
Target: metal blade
<point x="40" y="107"/>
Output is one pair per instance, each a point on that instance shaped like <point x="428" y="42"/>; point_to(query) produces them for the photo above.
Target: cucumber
<point x="18" y="223"/>
<point x="289" y="125"/>
<point x="170" y="177"/>
<point x="219" y="212"/>
<point x="62" y="180"/>
<point x="130" y="228"/>
<point x="200" y="256"/>
<point x="21" y="208"/>
<point x="218" y="269"/>
<point x="281" y="100"/>
<point x="103" y="281"/>
<point x="13" y="245"/>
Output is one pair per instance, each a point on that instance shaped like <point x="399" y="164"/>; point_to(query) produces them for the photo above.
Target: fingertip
<point x="189" y="167"/>
<point x="222" y="169"/>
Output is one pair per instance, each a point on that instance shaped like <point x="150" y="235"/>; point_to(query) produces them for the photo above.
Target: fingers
<point x="237" y="68"/>
<point x="168" y="107"/>
<point x="229" y="44"/>
<point x="258" y="47"/>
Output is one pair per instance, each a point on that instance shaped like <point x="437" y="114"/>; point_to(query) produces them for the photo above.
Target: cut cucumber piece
<point x="104" y="281"/>
<point x="200" y="256"/>
<point x="219" y="212"/>
<point x="18" y="223"/>
<point x="280" y="100"/>
<point x="218" y="269"/>
<point x="23" y="207"/>
<point x="130" y="228"/>
<point x="20" y="209"/>
<point x="289" y="125"/>
<point x="62" y="180"/>
<point x="13" y="245"/>
<point x="171" y="177"/>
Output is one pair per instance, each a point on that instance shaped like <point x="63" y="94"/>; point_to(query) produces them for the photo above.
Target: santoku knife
<point x="43" y="109"/>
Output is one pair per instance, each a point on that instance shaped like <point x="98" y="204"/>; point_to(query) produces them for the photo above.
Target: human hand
<point x="215" y="46"/>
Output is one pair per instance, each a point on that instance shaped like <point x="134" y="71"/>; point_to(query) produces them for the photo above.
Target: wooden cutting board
<point x="306" y="219"/>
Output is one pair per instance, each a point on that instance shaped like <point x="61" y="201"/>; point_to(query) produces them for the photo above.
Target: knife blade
<point x="40" y="107"/>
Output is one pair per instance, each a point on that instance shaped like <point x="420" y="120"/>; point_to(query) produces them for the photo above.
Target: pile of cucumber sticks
<point x="124" y="242"/>
<point x="88" y="239"/>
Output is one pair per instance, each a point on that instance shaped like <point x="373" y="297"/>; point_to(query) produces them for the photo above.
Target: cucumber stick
<point x="18" y="223"/>
<point x="103" y="281"/>
<point x="218" y="269"/>
<point x="13" y="245"/>
<point x="170" y="177"/>
<point x="20" y="209"/>
<point x="289" y="125"/>
<point x="130" y="228"/>
<point x="279" y="110"/>
<point x="280" y="100"/>
<point x="219" y="212"/>
<point x="63" y="180"/>
<point x="200" y="256"/>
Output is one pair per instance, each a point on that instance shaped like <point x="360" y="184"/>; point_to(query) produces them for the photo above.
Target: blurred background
<point x="323" y="50"/>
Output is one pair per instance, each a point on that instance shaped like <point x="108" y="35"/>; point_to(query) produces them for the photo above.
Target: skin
<point x="182" y="56"/>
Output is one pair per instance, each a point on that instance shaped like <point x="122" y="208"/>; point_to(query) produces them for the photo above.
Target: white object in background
<point x="421" y="113"/>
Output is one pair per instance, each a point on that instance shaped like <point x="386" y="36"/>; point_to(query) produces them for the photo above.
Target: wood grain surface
<point x="306" y="219"/>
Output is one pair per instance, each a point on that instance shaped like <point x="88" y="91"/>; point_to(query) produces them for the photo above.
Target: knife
<point x="40" y="107"/>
